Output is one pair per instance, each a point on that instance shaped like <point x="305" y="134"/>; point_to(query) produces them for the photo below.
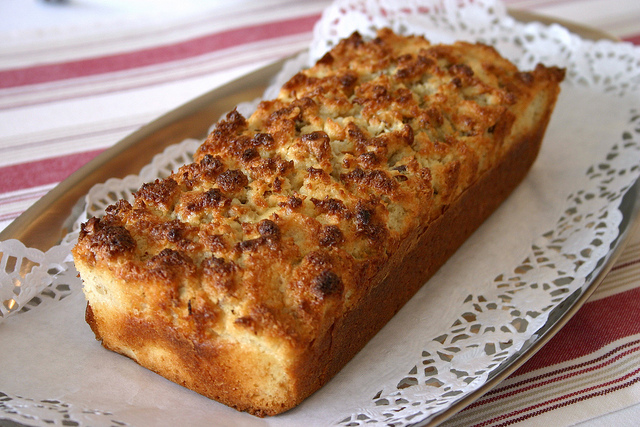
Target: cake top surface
<point x="284" y="217"/>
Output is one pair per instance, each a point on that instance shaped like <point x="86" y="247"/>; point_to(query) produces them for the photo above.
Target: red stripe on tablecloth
<point x="557" y="375"/>
<point x="633" y="39"/>
<point x="565" y="400"/>
<point x="42" y="172"/>
<point x="109" y="83"/>
<point x="152" y="56"/>
<point x="596" y="324"/>
<point x="626" y="264"/>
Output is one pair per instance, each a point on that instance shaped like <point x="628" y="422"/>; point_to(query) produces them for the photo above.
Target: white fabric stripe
<point x="67" y="140"/>
<point x="542" y="393"/>
<point x="617" y="418"/>
<point x="617" y="284"/>
<point x="25" y="48"/>
<point x="14" y="203"/>
<point x="600" y="14"/>
<point x="632" y="251"/>
<point x="5" y="222"/>
<point x="588" y="409"/>
<point x="24" y="194"/>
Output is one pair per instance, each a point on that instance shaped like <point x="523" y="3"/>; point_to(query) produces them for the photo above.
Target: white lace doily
<point x="542" y="247"/>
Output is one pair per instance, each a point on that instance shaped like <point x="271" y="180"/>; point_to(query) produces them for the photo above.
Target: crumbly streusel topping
<point x="283" y="217"/>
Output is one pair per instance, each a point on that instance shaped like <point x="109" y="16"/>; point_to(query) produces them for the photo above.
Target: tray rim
<point x="631" y="222"/>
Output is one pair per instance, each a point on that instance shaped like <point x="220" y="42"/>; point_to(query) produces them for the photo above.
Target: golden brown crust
<point x="268" y="256"/>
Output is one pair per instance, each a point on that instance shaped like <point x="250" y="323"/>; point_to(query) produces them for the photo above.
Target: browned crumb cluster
<point x="280" y="223"/>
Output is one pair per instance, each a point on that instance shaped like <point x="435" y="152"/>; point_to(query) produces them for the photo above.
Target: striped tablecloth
<point x="77" y="76"/>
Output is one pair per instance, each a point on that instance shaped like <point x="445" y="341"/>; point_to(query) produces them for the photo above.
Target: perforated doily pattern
<point x="27" y="276"/>
<point x="604" y="65"/>
<point x="31" y="277"/>
<point x="492" y="325"/>
<point x="54" y="412"/>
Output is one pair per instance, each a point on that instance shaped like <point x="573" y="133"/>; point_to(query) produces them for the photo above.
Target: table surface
<point x="76" y="76"/>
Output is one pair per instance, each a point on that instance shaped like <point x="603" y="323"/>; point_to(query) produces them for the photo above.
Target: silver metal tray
<point x="43" y="224"/>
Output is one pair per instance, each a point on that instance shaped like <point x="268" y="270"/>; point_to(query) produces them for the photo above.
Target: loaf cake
<point x="255" y="273"/>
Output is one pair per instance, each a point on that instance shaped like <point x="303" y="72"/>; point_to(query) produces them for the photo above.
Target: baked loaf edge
<point x="269" y="373"/>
